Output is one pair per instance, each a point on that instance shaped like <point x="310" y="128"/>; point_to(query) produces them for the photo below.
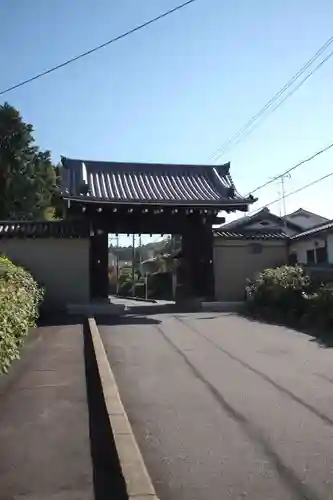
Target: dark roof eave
<point x="315" y="232"/>
<point x="203" y="203"/>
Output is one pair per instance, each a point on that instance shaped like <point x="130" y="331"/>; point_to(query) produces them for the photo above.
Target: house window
<point x="264" y="223"/>
<point x="321" y="255"/>
<point x="255" y="248"/>
<point x="310" y="256"/>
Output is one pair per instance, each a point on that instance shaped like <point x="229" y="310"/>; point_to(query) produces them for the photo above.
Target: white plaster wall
<point x="234" y="263"/>
<point x="330" y="248"/>
<point x="301" y="247"/>
<point x="61" y="266"/>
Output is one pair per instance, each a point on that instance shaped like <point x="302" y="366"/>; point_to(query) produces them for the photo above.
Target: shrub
<point x="319" y="308"/>
<point x="287" y="293"/>
<point x="19" y="301"/>
<point x="282" y="290"/>
<point x="125" y="287"/>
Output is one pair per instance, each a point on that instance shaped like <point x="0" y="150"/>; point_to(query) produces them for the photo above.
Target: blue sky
<point x="177" y="90"/>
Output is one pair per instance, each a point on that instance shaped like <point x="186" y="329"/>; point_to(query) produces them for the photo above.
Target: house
<point x="313" y="246"/>
<point x="112" y="260"/>
<point x="160" y="263"/>
<point x="150" y="266"/>
<point x="247" y="245"/>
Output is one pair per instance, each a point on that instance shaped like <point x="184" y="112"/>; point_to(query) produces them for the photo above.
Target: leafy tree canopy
<point x="27" y="176"/>
<point x="154" y="249"/>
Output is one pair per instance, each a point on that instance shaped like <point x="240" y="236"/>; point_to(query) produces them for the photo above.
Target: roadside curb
<point x="138" y="299"/>
<point x="138" y="483"/>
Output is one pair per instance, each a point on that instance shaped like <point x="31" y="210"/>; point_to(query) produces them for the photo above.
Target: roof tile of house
<point x="314" y="230"/>
<point x="253" y="235"/>
<point x="43" y="229"/>
<point x="244" y="222"/>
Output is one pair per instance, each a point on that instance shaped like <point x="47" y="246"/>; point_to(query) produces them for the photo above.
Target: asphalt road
<point x="223" y="407"/>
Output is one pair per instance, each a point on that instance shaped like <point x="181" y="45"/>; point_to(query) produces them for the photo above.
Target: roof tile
<point x="149" y="183"/>
<point x="277" y="235"/>
<point x="43" y="229"/>
<point x="313" y="230"/>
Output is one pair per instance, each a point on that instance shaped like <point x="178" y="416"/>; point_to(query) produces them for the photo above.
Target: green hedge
<point x="286" y="293"/>
<point x="125" y="288"/>
<point x="20" y="297"/>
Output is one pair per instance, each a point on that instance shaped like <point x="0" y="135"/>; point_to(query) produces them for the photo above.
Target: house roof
<point x="301" y="211"/>
<point x="264" y="214"/>
<point x="146" y="183"/>
<point x="314" y="231"/>
<point x="43" y="229"/>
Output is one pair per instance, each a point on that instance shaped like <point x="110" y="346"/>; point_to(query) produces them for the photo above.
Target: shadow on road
<point x="323" y="339"/>
<point x="125" y="320"/>
<point x="107" y="475"/>
<point x="218" y="315"/>
<point x="58" y="318"/>
<point x="286" y="473"/>
<point x="151" y="309"/>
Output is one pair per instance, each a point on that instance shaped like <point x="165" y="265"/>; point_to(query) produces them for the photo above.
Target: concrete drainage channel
<point x="118" y="468"/>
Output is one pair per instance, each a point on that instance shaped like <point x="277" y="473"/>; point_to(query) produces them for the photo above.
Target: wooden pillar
<point x="99" y="280"/>
<point x="185" y="271"/>
<point x="204" y="266"/>
<point x="198" y="259"/>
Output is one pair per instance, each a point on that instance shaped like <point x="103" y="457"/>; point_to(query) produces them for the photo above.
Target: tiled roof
<point x="43" y="229"/>
<point x="238" y="235"/>
<point x="149" y="183"/>
<point x="314" y="230"/>
<point x="246" y="219"/>
<point x="302" y="211"/>
<point x="263" y="214"/>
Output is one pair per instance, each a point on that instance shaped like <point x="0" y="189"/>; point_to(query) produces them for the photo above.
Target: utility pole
<point x="283" y="197"/>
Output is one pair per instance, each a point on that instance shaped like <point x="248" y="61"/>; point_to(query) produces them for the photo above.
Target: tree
<point x="27" y="176"/>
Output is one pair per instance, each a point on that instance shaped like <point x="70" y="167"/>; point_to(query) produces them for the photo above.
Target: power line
<point x="277" y="95"/>
<point x="280" y="102"/>
<point x="99" y="47"/>
<point x="256" y="125"/>
<point x="295" y="191"/>
<point x="286" y="172"/>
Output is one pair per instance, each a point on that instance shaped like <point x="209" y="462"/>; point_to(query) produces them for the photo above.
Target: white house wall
<point x="301" y="247"/>
<point x="330" y="248"/>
